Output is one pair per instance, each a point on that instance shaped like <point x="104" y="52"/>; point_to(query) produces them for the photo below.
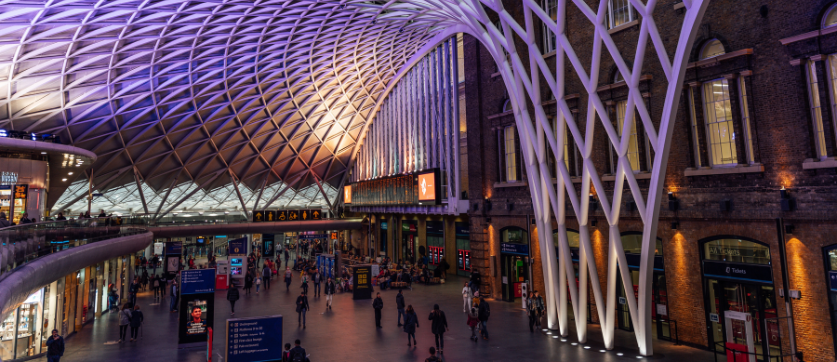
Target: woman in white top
<point x="466" y="298"/>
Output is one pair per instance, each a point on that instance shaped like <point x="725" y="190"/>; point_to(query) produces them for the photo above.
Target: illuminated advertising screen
<point x="427" y="187"/>
<point x="347" y="194"/>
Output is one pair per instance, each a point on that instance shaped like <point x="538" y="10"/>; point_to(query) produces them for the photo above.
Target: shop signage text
<point x="8" y="177"/>
<point x="724" y="251"/>
<point x="517" y="249"/>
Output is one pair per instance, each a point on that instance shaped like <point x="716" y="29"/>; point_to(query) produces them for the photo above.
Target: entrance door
<point x="659" y="304"/>
<point x="756" y="300"/>
<point x="514" y="273"/>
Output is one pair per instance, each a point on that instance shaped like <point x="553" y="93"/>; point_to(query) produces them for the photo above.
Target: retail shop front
<point x="739" y="296"/>
<point x="514" y="256"/>
<point x="463" y="248"/>
<point x="409" y="240"/>
<point x="632" y="244"/>
<point x="435" y="242"/>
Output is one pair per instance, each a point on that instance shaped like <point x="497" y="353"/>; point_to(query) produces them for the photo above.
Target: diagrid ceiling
<point x="213" y="98"/>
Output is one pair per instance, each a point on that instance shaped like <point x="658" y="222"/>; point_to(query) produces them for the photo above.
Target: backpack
<point x="299" y="356"/>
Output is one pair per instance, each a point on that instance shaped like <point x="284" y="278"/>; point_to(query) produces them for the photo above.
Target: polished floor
<point x="348" y="333"/>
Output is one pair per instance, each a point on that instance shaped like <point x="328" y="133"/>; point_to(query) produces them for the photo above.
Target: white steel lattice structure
<point x="538" y="137"/>
<point x="417" y="128"/>
<point x="199" y="95"/>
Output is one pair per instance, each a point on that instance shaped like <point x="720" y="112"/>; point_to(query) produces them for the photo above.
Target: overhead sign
<point x="738" y="271"/>
<point x="417" y="189"/>
<point x="254" y="339"/>
<point x="174" y="247"/>
<point x="293" y="215"/>
<point x="258" y="216"/>
<point x="334" y="235"/>
<point x="314" y="236"/>
<point x="269" y="215"/>
<point x="197" y="281"/>
<point x="517" y="249"/>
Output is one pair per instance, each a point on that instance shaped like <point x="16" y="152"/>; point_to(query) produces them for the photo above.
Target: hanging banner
<point x="197" y="305"/>
<point x="238" y="246"/>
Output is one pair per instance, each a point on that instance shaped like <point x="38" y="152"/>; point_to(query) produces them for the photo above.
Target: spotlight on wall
<point x="789" y="229"/>
<point x="675" y="225"/>
<point x="593" y="222"/>
<point x="488" y="220"/>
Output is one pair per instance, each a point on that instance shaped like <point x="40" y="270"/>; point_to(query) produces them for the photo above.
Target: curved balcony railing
<point x="21" y="244"/>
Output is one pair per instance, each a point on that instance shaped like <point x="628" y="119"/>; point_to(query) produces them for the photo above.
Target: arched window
<point x="711" y="49"/>
<point x="617" y="77"/>
<point x="737" y="250"/>
<point x="830" y="18"/>
<point x="514" y="235"/>
<point x="621" y="109"/>
<point x="507" y="106"/>
<point x="572" y="238"/>
<point x="632" y="243"/>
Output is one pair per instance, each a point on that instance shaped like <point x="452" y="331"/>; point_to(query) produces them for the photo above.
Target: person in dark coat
<point x="330" y="288"/>
<point x="297" y="353"/>
<point x="482" y="315"/>
<point x="302" y="307"/>
<point x="55" y="347"/>
<point x="232" y="296"/>
<point x="378" y="304"/>
<point x="438" y="325"/>
<point x="136" y="322"/>
<point x="399" y="303"/>
<point x="410" y="325"/>
<point x="248" y="283"/>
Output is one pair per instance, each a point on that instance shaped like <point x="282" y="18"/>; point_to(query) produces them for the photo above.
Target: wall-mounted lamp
<point x="510" y="206"/>
<point x="788" y="204"/>
<point x="593" y="222"/>
<point x="488" y="220"/>
<point x="533" y="221"/>
<point x="675" y="225"/>
<point x="673" y="203"/>
<point x="630" y="205"/>
<point x="594" y="203"/>
<point x="487" y="205"/>
<point x="789" y="229"/>
<point x="725" y="205"/>
<point x="476" y="206"/>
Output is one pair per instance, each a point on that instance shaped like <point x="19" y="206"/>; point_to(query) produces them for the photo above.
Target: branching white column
<point x="538" y="138"/>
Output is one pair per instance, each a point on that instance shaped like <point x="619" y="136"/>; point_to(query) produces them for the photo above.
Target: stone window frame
<point x="611" y="101"/>
<point x="632" y="15"/>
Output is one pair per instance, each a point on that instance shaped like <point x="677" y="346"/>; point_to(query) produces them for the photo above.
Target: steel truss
<point x="538" y="137"/>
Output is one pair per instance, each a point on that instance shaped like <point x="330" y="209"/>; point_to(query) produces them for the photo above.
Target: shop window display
<point x="21" y="330"/>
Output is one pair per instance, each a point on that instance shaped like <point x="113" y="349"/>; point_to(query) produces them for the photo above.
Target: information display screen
<point x="422" y="188"/>
<point x="254" y="339"/>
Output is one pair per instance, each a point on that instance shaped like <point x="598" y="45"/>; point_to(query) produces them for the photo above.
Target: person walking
<point x="410" y="325"/>
<point x="483" y="314"/>
<point x="266" y="274"/>
<point x="288" y="276"/>
<point x="232" y="296"/>
<point x="399" y="304"/>
<point x="134" y="289"/>
<point x="304" y="282"/>
<point x="258" y="284"/>
<point x="438" y="325"/>
<point x="433" y="357"/>
<point x="297" y="354"/>
<point x="287" y="255"/>
<point x="316" y="278"/>
<point x="55" y="347"/>
<point x="530" y="311"/>
<point x="124" y="321"/>
<point x="173" y="306"/>
<point x="473" y="322"/>
<point x="330" y="288"/>
<point x="155" y="285"/>
<point x="302" y="307"/>
<point x="136" y="322"/>
<point x="466" y="298"/>
<point x="248" y="283"/>
<point x="378" y="304"/>
<point x="539" y="309"/>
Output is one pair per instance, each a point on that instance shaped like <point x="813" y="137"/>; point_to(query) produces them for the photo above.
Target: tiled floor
<point x="348" y="333"/>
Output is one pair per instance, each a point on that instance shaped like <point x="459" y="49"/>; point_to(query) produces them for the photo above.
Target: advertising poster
<point x="269" y="245"/>
<point x="238" y="246"/>
<point x="254" y="339"/>
<point x="197" y="305"/>
<point x="158" y="248"/>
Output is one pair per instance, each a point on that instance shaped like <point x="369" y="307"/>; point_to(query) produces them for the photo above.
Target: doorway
<point x="515" y="273"/>
<point x="758" y="301"/>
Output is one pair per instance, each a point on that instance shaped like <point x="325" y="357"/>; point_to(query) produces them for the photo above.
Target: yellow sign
<point x="281" y="215"/>
<point x="305" y="215"/>
<point x="258" y="216"/>
<point x="21" y="191"/>
<point x="316" y="215"/>
<point x="293" y="215"/>
<point x="334" y="235"/>
<point x="270" y="215"/>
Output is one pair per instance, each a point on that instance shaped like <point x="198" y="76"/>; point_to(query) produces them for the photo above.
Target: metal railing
<point x="21" y="244"/>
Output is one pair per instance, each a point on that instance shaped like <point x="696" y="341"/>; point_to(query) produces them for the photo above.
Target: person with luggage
<point x="302" y="307"/>
<point x="410" y="325"/>
<point x="232" y="296"/>
<point x="330" y="288"/>
<point x="438" y="325"/>
<point x="378" y="304"/>
<point x="399" y="304"/>
<point x="483" y="314"/>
